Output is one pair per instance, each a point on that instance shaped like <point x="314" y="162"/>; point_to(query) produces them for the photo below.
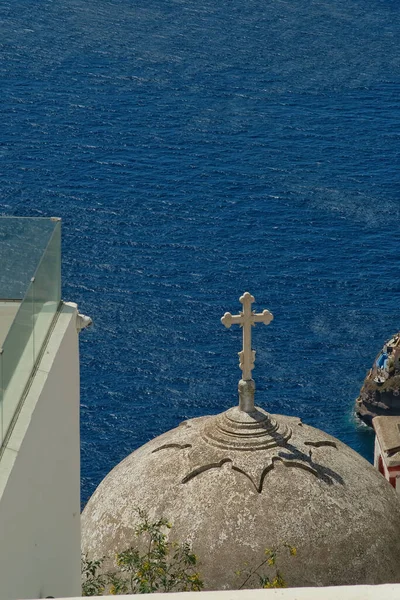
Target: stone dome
<point x="243" y="481"/>
<point x="231" y="499"/>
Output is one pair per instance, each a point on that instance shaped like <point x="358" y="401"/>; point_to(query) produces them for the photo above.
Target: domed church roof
<point x="243" y="481"/>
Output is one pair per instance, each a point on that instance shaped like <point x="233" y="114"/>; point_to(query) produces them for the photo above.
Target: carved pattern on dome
<point x="321" y="443"/>
<point x="252" y="444"/>
<point x="265" y="472"/>
<point x="167" y="446"/>
<point x="256" y="471"/>
<point x="252" y="447"/>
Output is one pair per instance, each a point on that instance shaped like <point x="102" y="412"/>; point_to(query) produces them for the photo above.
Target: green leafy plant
<point x="162" y="567"/>
<point x="93" y="582"/>
<point x="272" y="579"/>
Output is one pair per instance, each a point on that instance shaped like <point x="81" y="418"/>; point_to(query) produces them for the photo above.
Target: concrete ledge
<point x="388" y="591"/>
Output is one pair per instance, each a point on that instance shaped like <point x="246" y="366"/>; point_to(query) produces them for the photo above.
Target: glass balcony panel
<point x="30" y="294"/>
<point x="47" y="289"/>
<point x="23" y="241"/>
<point x="17" y="359"/>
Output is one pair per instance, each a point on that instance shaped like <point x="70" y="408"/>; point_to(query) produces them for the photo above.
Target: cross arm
<point x="228" y="319"/>
<point x="264" y="317"/>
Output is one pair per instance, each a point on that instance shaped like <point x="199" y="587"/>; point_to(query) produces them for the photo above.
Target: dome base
<point x="239" y="430"/>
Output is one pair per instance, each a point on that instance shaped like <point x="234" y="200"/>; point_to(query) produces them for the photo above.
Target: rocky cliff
<point x="380" y="392"/>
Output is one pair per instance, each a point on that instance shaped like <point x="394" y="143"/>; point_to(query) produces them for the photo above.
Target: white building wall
<point x="377" y="453"/>
<point x="40" y="478"/>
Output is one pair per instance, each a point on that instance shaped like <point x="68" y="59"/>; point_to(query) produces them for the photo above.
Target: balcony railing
<point x="30" y="295"/>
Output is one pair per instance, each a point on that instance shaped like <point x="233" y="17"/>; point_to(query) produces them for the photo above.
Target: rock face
<point x="380" y="392"/>
<point x="237" y="483"/>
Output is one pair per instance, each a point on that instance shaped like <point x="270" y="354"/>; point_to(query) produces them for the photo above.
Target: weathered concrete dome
<point x="243" y="481"/>
<point x="237" y="483"/>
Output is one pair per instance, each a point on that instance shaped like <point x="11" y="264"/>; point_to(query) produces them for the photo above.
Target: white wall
<point x="40" y="478"/>
<point x="377" y="453"/>
<point x="354" y="592"/>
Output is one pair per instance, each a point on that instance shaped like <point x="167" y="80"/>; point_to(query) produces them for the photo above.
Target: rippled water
<point x="195" y="150"/>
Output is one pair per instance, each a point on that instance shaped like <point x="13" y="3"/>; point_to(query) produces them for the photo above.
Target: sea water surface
<point x="196" y="149"/>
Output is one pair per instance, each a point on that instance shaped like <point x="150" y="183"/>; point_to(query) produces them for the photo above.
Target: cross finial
<point x="247" y="319"/>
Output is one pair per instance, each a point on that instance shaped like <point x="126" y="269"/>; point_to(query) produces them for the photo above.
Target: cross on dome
<point x="247" y="319"/>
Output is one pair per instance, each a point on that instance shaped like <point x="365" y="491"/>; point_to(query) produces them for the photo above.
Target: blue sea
<point x="196" y="149"/>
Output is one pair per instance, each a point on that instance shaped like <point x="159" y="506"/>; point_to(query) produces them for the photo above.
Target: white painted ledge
<point x="390" y="591"/>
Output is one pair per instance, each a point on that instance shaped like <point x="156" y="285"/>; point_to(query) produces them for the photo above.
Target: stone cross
<point x="247" y="319"/>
